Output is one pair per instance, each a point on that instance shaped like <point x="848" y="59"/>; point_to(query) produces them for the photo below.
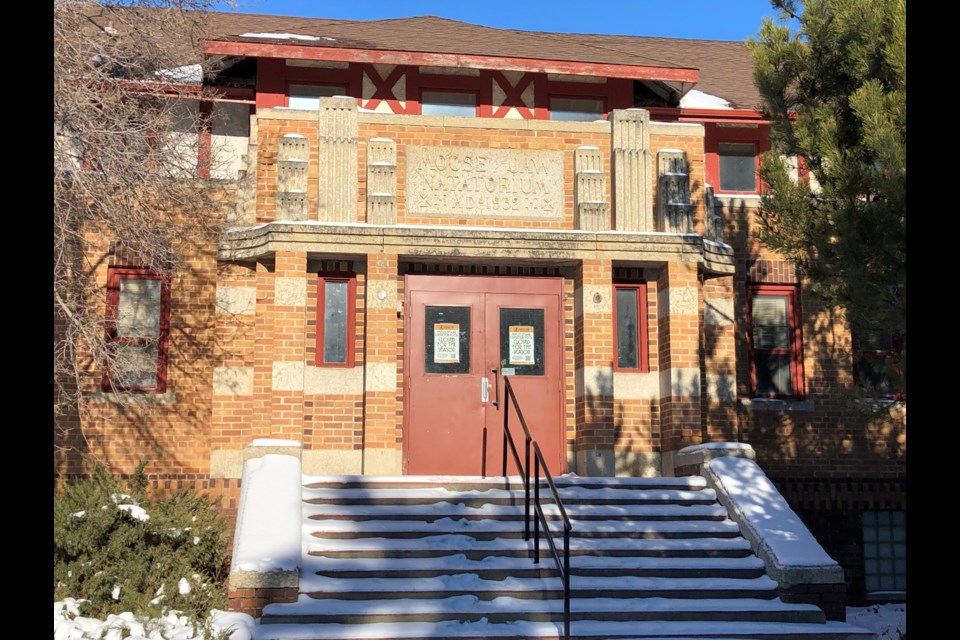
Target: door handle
<point x="484" y="390"/>
<point x="496" y="382"/>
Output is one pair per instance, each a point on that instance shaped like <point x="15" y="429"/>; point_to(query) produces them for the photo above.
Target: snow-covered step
<point x="513" y="512"/>
<point x="404" y="558"/>
<point x="439" y="545"/>
<point x="470" y="608"/>
<point x="496" y="567"/>
<point x="506" y="529"/>
<point x="580" y="629"/>
<point x="462" y="483"/>
<point x="477" y="497"/>
<point x="583" y="587"/>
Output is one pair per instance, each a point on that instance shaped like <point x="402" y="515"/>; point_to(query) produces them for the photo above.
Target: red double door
<point x="464" y="334"/>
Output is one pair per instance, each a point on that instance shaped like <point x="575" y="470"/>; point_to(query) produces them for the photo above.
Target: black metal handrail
<point x="539" y="463"/>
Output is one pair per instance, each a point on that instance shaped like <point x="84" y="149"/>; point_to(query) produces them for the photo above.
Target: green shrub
<point x="121" y="550"/>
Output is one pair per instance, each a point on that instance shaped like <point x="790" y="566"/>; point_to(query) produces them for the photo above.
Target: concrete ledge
<point x="247" y="243"/>
<point x="226" y="463"/>
<point x="382" y="462"/>
<point x="792" y="555"/>
<point x="773" y="404"/>
<point x="697" y="454"/>
<point x="266" y="549"/>
<point x="596" y="462"/>
<point x="272" y="446"/>
<point x="268" y="580"/>
<point x="635" y="464"/>
<point x="323" y="462"/>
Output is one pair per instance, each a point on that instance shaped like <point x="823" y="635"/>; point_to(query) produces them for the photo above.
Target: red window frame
<point x="351" y="280"/>
<point x="114" y="276"/>
<point x="715" y="135"/>
<point x="639" y="289"/>
<point x="795" y="353"/>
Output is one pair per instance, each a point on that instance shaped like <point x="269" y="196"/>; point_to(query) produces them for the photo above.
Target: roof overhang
<point x="455" y="60"/>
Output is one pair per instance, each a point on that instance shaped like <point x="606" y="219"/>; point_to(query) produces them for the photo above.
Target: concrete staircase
<point x="408" y="557"/>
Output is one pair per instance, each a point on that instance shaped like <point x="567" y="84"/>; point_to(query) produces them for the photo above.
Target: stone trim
<point x="774" y="404"/>
<point x="233" y="381"/>
<point x="236" y="300"/>
<point x="461" y="241"/>
<point x="718" y="312"/>
<point x="636" y="386"/>
<point x="290" y="292"/>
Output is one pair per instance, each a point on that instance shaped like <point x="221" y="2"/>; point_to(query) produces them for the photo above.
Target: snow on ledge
<point x="715" y="445"/>
<point x="269" y="518"/>
<point x="279" y="36"/>
<point x="275" y="442"/>
<point x="793" y="556"/>
<point x="699" y="100"/>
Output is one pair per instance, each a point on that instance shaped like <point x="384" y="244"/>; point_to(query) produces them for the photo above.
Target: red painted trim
<point x="351" y="280"/>
<point x="383" y="89"/>
<point x="795" y="352"/>
<point x="619" y="93"/>
<point x="513" y="96"/>
<point x="643" y="334"/>
<point x="114" y="276"/>
<point x="204" y="139"/>
<point x="307" y="52"/>
<point x="271" y="88"/>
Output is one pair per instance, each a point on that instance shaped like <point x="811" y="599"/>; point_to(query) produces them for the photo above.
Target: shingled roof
<point x="725" y="68"/>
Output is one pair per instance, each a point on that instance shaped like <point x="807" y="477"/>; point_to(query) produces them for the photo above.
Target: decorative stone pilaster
<point x="293" y="156"/>
<point x="381" y="181"/>
<point x="590" y="190"/>
<point x="674" y="209"/>
<point x="337" y="169"/>
<point x="631" y="168"/>
<point x="712" y="216"/>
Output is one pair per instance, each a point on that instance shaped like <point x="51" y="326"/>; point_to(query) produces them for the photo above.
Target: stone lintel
<point x="459" y="242"/>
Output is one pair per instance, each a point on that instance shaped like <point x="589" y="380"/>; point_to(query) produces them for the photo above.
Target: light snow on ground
<point x="888" y="621"/>
<point x="68" y="624"/>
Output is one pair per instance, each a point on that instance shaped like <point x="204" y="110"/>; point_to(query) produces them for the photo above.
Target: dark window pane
<point x="521" y="342"/>
<point x="773" y="374"/>
<point x="335" y="321"/>
<point x="448" y="103"/>
<point x="628" y="349"/>
<point x="770" y="327"/>
<point x="737" y="167"/>
<point x="307" y="96"/>
<point x="447" y="335"/>
<point x="574" y="109"/>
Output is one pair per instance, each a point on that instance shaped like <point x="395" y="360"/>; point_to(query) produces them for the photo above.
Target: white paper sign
<point x="446" y="342"/>
<point x="521" y="345"/>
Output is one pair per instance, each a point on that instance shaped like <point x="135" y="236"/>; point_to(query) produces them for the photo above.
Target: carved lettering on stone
<point x="498" y="183"/>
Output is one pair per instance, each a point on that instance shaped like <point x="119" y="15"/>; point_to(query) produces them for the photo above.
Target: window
<point x="876" y="363"/>
<point x="336" y="295"/>
<point x="630" y="315"/>
<point x="448" y="103"/>
<point x="885" y="552"/>
<point x="138" y="327"/>
<point x="738" y="166"/>
<point x="776" y="364"/>
<point x="576" y="109"/>
<point x="307" y="96"/>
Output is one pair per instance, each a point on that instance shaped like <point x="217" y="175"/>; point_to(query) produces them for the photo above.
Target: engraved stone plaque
<point x="484" y="183"/>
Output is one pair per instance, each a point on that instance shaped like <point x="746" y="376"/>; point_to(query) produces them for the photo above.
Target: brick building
<point x="423" y="206"/>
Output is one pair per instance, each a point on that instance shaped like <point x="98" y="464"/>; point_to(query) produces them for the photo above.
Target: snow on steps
<point x="414" y="557"/>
